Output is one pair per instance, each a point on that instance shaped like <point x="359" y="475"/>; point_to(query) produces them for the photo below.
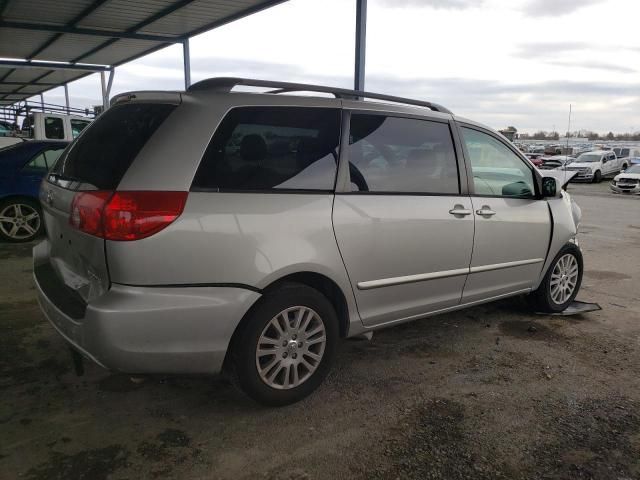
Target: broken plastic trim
<point x="575" y="308"/>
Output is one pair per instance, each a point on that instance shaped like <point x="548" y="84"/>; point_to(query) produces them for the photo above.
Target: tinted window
<point x="77" y="126"/>
<point x="51" y="155"/>
<point x="497" y="170"/>
<point x="45" y="159"/>
<point x="102" y="155"/>
<point x="37" y="163"/>
<point x="389" y="154"/>
<point x="53" y="128"/>
<point x="265" y="148"/>
<point x="5" y="129"/>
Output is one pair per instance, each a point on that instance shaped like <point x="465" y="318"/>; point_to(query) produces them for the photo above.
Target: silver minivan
<point x="215" y="230"/>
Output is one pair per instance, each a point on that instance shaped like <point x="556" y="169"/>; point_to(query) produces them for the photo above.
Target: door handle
<point x="485" y="211"/>
<point x="460" y="210"/>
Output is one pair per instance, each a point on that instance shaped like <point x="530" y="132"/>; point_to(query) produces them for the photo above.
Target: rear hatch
<point x="93" y="165"/>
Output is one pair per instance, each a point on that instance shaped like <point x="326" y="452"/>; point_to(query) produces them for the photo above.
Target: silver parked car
<point x="214" y="230"/>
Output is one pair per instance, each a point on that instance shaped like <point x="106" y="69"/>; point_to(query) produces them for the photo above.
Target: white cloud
<point x="549" y="8"/>
<point x="492" y="63"/>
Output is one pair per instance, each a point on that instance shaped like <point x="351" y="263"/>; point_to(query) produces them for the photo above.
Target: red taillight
<point x="86" y="211"/>
<point x="125" y="215"/>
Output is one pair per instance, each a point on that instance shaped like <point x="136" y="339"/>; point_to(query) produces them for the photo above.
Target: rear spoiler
<point x="151" y="96"/>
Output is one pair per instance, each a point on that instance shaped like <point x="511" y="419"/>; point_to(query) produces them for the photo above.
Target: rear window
<point x="77" y="126"/>
<point x="53" y="128"/>
<point x="272" y="148"/>
<point x="105" y="150"/>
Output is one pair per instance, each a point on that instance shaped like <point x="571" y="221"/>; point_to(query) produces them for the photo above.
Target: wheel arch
<point x="320" y="282"/>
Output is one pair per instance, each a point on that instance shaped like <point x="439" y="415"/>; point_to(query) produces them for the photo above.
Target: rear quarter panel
<point x="250" y="239"/>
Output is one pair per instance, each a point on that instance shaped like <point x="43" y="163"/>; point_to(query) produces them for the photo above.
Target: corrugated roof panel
<point x="120" y="50"/>
<point x="124" y="14"/>
<point x="34" y="89"/>
<point x="16" y="96"/>
<point x="121" y="16"/>
<point x="196" y="15"/>
<point x="44" y="11"/>
<point x="70" y="46"/>
<point x="63" y="76"/>
<point x="26" y="74"/>
<point x="16" y="43"/>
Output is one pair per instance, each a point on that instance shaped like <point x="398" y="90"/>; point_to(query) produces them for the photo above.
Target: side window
<point x="77" y="126"/>
<point x="401" y="155"/>
<point x="39" y="162"/>
<point x="53" y="128"/>
<point x="272" y="148"/>
<point x="5" y="130"/>
<point x="45" y="159"/>
<point x="497" y="171"/>
<point x="51" y="155"/>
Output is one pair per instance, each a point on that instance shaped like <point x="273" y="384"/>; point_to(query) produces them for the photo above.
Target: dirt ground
<point x="487" y="393"/>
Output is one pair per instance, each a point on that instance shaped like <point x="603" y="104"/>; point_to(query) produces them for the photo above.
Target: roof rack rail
<point x="226" y="84"/>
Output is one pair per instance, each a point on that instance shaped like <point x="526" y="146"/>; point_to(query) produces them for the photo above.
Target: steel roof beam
<point x="36" y="84"/>
<point x="86" y="31"/>
<point x="149" y="20"/>
<point x="53" y="66"/>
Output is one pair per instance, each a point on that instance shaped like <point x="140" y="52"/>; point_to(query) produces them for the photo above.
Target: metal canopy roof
<point x="96" y="35"/>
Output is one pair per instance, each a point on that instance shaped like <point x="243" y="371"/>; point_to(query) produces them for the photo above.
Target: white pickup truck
<point x="45" y="126"/>
<point x="594" y="166"/>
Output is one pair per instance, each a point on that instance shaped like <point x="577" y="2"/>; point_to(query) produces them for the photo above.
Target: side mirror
<point x="549" y="187"/>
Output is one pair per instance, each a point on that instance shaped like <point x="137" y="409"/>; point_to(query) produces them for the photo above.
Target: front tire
<point x="561" y="283"/>
<point x="20" y="220"/>
<point x="597" y="177"/>
<point x="286" y="345"/>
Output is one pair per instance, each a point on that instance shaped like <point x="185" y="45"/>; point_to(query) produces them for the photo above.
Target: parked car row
<point x="628" y="181"/>
<point x="22" y="168"/>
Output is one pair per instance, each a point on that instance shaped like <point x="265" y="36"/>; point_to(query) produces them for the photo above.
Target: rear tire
<point x="561" y="283"/>
<point x="286" y="345"/>
<point x="20" y="220"/>
<point x="597" y="177"/>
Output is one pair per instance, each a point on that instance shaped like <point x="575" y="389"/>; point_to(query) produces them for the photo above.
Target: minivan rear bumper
<point x="141" y="330"/>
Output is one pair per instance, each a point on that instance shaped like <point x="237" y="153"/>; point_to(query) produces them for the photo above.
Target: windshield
<point x="589" y="158"/>
<point x="633" y="169"/>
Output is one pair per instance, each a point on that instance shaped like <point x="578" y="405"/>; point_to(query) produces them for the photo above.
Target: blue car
<point x="22" y="167"/>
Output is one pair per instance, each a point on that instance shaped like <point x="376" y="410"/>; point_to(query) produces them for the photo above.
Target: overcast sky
<point x="516" y="62"/>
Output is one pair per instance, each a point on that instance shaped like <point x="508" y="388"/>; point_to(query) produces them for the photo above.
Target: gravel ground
<point x="490" y="392"/>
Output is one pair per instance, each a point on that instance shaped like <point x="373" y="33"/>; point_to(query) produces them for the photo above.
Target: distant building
<point x="510" y="132"/>
<point x="565" y="140"/>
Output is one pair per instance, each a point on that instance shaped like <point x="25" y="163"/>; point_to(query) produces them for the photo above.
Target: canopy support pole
<point x="186" y="57"/>
<point x="361" y="44"/>
<point x="66" y="97"/>
<point x="105" y="97"/>
<point x="112" y="72"/>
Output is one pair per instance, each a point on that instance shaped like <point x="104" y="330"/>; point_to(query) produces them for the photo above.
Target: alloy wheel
<point x="290" y="348"/>
<point x="564" y="278"/>
<point x="19" y="221"/>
